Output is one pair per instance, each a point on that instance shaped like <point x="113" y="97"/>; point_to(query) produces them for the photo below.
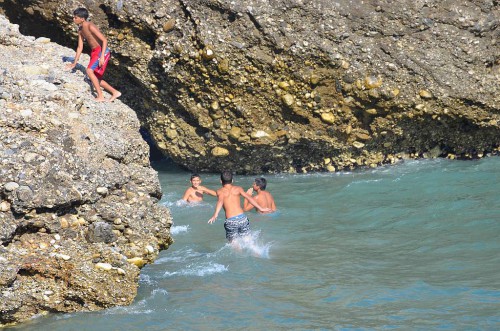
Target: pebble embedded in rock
<point x="103" y="266"/>
<point x="11" y="186"/>
<point x="220" y="151"/>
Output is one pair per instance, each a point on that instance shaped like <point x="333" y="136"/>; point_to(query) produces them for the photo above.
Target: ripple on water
<point x="199" y="270"/>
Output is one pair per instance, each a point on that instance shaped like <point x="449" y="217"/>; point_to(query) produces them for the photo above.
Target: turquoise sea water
<point x="414" y="246"/>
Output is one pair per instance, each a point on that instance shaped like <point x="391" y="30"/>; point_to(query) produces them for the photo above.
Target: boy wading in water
<point x="98" y="60"/>
<point x="236" y="224"/>
<point x="196" y="191"/>
<point x="264" y="198"/>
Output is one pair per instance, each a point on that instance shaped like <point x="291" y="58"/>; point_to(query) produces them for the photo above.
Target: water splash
<point x="157" y="291"/>
<point x="179" y="256"/>
<point x="146" y="279"/>
<point x="138" y="308"/>
<point x="251" y="244"/>
<point x="175" y="230"/>
<point x="181" y="203"/>
<point x="184" y="204"/>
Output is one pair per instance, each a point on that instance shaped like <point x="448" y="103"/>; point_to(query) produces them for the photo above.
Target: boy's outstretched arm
<point x="208" y="191"/>
<point x="273" y="204"/>
<point x="218" y="207"/>
<point x="186" y="194"/>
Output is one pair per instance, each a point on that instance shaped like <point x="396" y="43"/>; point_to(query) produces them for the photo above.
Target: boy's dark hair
<point x="194" y="176"/>
<point x="81" y="12"/>
<point x="261" y="182"/>
<point x="226" y="177"/>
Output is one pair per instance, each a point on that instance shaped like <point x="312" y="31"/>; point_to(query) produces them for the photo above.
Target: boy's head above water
<point x="195" y="180"/>
<point x="226" y="177"/>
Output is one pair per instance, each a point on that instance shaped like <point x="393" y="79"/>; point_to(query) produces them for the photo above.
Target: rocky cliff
<point x="78" y="199"/>
<point x="294" y="85"/>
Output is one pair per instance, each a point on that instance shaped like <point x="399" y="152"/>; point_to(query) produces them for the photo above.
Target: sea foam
<point x="175" y="230"/>
<point x="200" y="270"/>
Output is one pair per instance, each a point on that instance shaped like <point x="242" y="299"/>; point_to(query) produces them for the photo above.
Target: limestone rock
<point x="169" y="25"/>
<point x="189" y="55"/>
<point x="59" y="152"/>
<point x="100" y="232"/>
<point x="328" y="118"/>
<point x="220" y="151"/>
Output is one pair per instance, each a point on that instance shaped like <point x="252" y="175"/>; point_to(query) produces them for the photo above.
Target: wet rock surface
<point x="292" y="85"/>
<point x="76" y="189"/>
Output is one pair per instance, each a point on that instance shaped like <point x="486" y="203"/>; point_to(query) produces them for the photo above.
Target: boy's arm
<point x="209" y="191"/>
<point x="253" y="202"/>
<point x="273" y="205"/>
<point x="218" y="207"/>
<point x="104" y="42"/>
<point x="186" y="194"/>
<point x="247" y="205"/>
<point x="79" y="50"/>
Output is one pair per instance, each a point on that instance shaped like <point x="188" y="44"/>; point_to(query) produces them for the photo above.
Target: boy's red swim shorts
<point x="94" y="61"/>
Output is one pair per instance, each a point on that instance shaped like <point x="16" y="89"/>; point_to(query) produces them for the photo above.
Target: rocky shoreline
<point x="280" y="86"/>
<point x="79" y="212"/>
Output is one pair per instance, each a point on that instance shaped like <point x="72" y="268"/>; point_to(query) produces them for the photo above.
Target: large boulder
<point x="79" y="212"/>
<point x="293" y="85"/>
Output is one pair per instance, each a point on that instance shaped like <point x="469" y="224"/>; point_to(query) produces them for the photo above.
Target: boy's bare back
<point x="266" y="200"/>
<point x="230" y="195"/>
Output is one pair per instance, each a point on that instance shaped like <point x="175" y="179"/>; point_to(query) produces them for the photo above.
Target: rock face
<point x="294" y="85"/>
<point x="78" y="199"/>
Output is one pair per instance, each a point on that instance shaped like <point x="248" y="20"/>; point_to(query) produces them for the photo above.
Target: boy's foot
<point x="115" y="95"/>
<point x="100" y="99"/>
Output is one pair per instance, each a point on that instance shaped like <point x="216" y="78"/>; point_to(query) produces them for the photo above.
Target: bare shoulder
<point x="237" y="189"/>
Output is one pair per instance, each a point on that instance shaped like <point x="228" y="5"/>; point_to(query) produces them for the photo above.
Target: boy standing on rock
<point x="236" y="224"/>
<point x="98" y="59"/>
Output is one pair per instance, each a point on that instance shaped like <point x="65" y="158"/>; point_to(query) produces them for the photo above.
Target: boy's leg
<point x="95" y="82"/>
<point x="114" y="93"/>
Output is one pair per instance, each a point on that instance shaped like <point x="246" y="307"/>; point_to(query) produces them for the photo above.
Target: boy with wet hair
<point x="236" y="224"/>
<point x="196" y="191"/>
<point x="264" y="198"/>
<point x="98" y="58"/>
